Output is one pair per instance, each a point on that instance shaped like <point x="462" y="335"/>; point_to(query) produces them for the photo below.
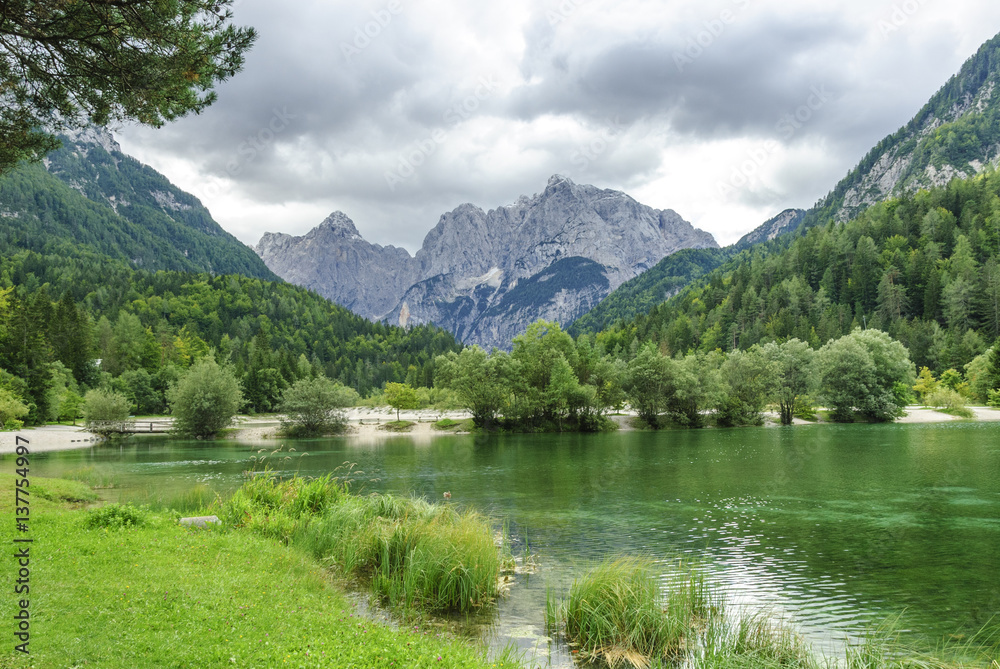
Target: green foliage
<point x="315" y="406"/>
<point x="922" y="267"/>
<point x="479" y="381"/>
<point x="411" y="552"/>
<point x="948" y="401"/>
<point x="791" y="363"/>
<point x="649" y="379"/>
<point x="750" y="380"/>
<point x="12" y="410"/>
<point x="926" y="383"/>
<point x="993" y="399"/>
<point x="115" y="517"/>
<point x="205" y="399"/>
<point x="858" y="376"/>
<point x="105" y="412"/>
<point x="400" y="396"/>
<point x="146" y="328"/>
<point x="658" y="283"/>
<point x="67" y="64"/>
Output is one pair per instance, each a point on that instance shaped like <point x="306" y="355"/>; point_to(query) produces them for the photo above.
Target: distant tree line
<point x="551" y="382"/>
<point x="68" y="325"/>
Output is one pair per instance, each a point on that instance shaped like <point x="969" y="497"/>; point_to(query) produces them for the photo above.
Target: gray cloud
<point x="336" y="98"/>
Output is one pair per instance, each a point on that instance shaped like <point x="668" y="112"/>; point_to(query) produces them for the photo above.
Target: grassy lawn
<point x="165" y="596"/>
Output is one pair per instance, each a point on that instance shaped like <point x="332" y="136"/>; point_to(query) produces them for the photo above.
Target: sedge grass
<point x="414" y="554"/>
<point x="619" y="614"/>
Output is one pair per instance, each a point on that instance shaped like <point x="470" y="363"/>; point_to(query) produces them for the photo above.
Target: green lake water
<point x="835" y="528"/>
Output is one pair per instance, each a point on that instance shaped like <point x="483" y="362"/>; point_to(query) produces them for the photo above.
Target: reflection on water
<point x="833" y="527"/>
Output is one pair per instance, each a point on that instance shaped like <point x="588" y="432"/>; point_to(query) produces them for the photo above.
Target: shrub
<point x="205" y="399"/>
<point x="994" y="398"/>
<point x="115" y="517"/>
<point x="105" y="412"/>
<point x="315" y="406"/>
<point x="949" y="401"/>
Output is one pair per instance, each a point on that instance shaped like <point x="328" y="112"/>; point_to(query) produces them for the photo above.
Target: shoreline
<point x="367" y="423"/>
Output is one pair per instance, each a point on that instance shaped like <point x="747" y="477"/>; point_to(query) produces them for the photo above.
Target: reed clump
<point x="620" y="613"/>
<point x="413" y="553"/>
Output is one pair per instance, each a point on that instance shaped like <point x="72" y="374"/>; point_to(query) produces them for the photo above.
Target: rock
<point x="199" y="521"/>
<point x="486" y="276"/>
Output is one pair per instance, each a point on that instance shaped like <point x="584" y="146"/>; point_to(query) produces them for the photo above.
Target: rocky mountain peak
<point x="486" y="276"/>
<point x="339" y="224"/>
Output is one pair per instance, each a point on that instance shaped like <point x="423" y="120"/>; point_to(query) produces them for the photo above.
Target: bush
<point x="106" y="412"/>
<point x="12" y="409"/>
<point x="949" y="401"/>
<point x="315" y="406"/>
<point x="115" y="517"/>
<point x="205" y="399"/>
<point x="993" y="398"/>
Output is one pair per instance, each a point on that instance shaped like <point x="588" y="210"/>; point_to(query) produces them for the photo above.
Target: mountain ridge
<point x="466" y="274"/>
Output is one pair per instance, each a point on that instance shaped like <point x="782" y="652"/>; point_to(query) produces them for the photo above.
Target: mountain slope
<point x="486" y="276"/>
<point x="89" y="194"/>
<point x="924" y="267"/>
<point x="956" y="134"/>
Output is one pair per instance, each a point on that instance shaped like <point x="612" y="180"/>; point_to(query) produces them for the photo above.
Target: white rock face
<point x="482" y="275"/>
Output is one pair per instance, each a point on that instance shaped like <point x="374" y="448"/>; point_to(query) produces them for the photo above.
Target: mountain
<point x="955" y="135"/>
<point x="485" y="276"/>
<point x="782" y="224"/>
<point x="89" y="195"/>
<point x="923" y="267"/>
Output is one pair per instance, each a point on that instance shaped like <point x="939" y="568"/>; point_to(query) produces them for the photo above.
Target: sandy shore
<point x="367" y="424"/>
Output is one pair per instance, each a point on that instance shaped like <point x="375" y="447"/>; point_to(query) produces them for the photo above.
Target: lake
<point x="835" y="527"/>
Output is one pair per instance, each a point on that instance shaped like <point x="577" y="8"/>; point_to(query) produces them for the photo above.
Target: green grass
<point x="447" y="424"/>
<point x="159" y="595"/>
<point x="623" y="612"/>
<point x="397" y="426"/>
<point x="618" y="613"/>
<point x="412" y="553"/>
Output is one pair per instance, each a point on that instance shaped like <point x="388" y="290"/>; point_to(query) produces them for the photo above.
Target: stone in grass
<point x="199" y="521"/>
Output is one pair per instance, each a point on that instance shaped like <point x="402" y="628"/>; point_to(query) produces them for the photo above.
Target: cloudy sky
<point x="396" y="111"/>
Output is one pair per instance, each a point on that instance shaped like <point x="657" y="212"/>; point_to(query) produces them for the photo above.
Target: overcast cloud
<point x="396" y="111"/>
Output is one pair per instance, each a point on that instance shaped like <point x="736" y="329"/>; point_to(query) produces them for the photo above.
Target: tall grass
<point x="752" y="641"/>
<point x="411" y="552"/>
<point x="618" y="612"/>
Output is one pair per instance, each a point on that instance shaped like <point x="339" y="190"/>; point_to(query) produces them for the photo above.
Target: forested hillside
<point x="88" y="194"/>
<point x="59" y="316"/>
<point x="922" y="267"/>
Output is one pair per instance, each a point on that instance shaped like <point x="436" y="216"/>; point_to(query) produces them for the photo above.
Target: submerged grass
<point x="412" y="553"/>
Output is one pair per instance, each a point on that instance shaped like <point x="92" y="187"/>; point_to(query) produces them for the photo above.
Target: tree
<point x="401" y="396"/>
<point x="749" y="378"/>
<point x="478" y="379"/>
<point x="105" y="412"/>
<point x="647" y="383"/>
<point x="315" y="406"/>
<point x="861" y="373"/>
<point x="70" y="64"/>
<point x="205" y="399"/>
<point x="792" y="365"/>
